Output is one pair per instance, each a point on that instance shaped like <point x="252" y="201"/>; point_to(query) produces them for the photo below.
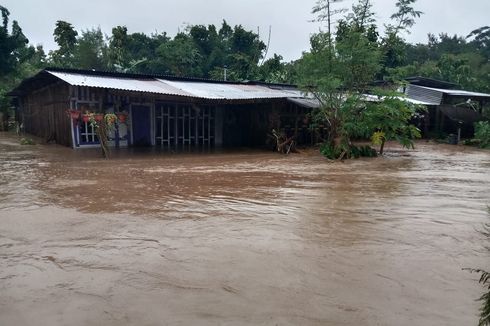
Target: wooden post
<point x="218" y="126"/>
<point x="438" y="118"/>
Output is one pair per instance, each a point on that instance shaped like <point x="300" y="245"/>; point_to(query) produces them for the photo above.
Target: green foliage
<point x="18" y="60"/>
<point x="91" y="52"/>
<point x="481" y="39"/>
<point x="198" y="51"/>
<point x="404" y="18"/>
<point x="118" y="48"/>
<point x="389" y="119"/>
<point x="179" y="57"/>
<point x="12" y="44"/>
<point x="444" y="57"/>
<point x="27" y="141"/>
<point x="324" y="9"/>
<point x="485" y="298"/>
<point x="339" y="75"/>
<point x="485" y="282"/>
<point x="482" y="133"/>
<point x="66" y="38"/>
<point x="346" y="151"/>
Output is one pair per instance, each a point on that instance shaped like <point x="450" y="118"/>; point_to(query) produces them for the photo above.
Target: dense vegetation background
<point x="205" y="51"/>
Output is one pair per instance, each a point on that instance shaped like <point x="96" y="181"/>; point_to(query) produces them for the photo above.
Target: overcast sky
<point x="290" y="19"/>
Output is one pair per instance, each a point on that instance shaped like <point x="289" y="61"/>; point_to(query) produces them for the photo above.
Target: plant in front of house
<point x="482" y="133"/>
<point x="73" y="114"/>
<point x="339" y="71"/>
<point x="110" y="119"/>
<point x="122" y="116"/>
<point x="389" y="119"/>
<point x="102" y="125"/>
<point x="27" y="141"/>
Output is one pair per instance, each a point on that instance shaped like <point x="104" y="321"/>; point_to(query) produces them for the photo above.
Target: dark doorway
<point x="245" y="126"/>
<point x="141" y="122"/>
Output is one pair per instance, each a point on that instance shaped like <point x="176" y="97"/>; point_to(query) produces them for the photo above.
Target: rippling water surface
<point x="241" y="238"/>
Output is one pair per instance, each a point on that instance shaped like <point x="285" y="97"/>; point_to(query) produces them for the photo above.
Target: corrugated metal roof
<point x="196" y="89"/>
<point x="149" y="85"/>
<point x="375" y="98"/>
<point x="309" y="103"/>
<point x="313" y="103"/>
<point x="434" y="95"/>
<point x="229" y="91"/>
<point x="430" y="96"/>
<point x="457" y="92"/>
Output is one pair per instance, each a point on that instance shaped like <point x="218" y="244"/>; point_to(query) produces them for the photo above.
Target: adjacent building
<point x="450" y="110"/>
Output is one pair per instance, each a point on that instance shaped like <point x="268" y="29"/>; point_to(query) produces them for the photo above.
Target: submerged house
<point x="450" y="110"/>
<point x="161" y="110"/>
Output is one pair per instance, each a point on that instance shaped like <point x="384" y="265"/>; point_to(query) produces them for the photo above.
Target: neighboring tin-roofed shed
<point x="431" y="82"/>
<point x="450" y="110"/>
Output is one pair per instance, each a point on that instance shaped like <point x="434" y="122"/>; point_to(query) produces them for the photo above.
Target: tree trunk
<point x="2" y="121"/>
<point x="381" y="149"/>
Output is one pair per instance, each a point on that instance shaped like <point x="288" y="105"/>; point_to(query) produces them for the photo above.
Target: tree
<point x="273" y="70"/>
<point x="481" y="38"/>
<point x="362" y="16"/>
<point x="341" y="88"/>
<point x="246" y="50"/>
<point x="141" y="52"/>
<point x="18" y="60"/>
<point x="11" y="44"/>
<point x="389" y="119"/>
<point x="325" y="13"/>
<point x="180" y="57"/>
<point x="91" y="50"/>
<point x="118" y="48"/>
<point x="66" y="38"/>
<point x="394" y="47"/>
<point x="404" y="18"/>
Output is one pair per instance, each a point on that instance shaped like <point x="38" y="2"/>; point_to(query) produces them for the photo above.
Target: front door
<point x="141" y="125"/>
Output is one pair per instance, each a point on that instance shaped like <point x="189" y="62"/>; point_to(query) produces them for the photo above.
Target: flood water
<point x="241" y="238"/>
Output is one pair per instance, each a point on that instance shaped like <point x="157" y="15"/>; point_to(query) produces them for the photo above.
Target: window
<point x="87" y="134"/>
<point x="184" y="124"/>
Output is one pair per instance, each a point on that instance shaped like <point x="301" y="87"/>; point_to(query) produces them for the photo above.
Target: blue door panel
<point x="141" y="121"/>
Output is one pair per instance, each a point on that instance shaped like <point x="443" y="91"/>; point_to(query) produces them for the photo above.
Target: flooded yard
<point x="240" y="238"/>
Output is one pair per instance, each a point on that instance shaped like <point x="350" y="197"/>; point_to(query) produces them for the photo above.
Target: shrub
<point x="27" y="141"/>
<point x="482" y="133"/>
<point x="347" y="152"/>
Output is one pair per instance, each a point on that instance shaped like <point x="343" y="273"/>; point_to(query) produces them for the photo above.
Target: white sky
<point x="290" y="19"/>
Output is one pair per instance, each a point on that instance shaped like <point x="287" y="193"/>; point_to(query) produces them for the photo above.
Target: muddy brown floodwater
<point x="240" y="238"/>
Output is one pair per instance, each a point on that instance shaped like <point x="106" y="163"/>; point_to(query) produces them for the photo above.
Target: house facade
<point x="158" y="111"/>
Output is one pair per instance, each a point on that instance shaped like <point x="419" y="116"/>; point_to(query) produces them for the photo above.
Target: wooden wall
<point x="43" y="113"/>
